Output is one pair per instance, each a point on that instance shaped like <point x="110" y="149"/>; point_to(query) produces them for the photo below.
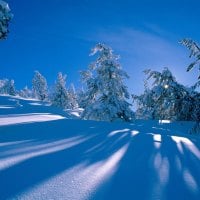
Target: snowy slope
<point x="45" y="154"/>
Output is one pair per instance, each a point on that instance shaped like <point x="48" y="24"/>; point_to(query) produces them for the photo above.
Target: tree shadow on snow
<point x="49" y="148"/>
<point x="157" y="165"/>
<point x="128" y="161"/>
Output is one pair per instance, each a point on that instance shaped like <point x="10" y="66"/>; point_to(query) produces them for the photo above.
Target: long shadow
<point x="148" y="170"/>
<point x="32" y="171"/>
<point x="153" y="169"/>
<point x="177" y="186"/>
<point x="133" y="176"/>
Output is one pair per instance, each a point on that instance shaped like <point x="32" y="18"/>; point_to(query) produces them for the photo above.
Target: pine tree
<point x="39" y="85"/>
<point x="106" y="94"/>
<point x="60" y="95"/>
<point x="11" y="87"/>
<point x="3" y="88"/>
<point x="194" y="52"/>
<point x="7" y="87"/>
<point x="145" y="104"/>
<point x="5" y="17"/>
<point x="166" y="98"/>
<point x="72" y="97"/>
<point x="81" y="98"/>
<point x="26" y="92"/>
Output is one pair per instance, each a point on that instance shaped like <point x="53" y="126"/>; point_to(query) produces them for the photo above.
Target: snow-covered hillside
<point x="46" y="153"/>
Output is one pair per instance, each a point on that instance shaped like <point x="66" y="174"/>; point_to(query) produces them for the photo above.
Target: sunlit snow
<point x="28" y="118"/>
<point x="119" y="131"/>
<point x="164" y="121"/>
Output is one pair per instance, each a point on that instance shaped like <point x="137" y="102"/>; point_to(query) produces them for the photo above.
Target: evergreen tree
<point x="11" y="88"/>
<point x="39" y="85"/>
<point x="106" y="95"/>
<point x="81" y="98"/>
<point x="194" y="52"/>
<point x="3" y="84"/>
<point x="7" y="87"/>
<point x="5" y="17"/>
<point x="196" y="113"/>
<point x="63" y="97"/>
<point x="166" y="98"/>
<point x="60" y="95"/>
<point x="145" y="104"/>
<point x="72" y="97"/>
<point x="26" y="93"/>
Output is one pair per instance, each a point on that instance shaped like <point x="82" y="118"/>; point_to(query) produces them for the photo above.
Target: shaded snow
<point x="79" y="182"/>
<point x="46" y="155"/>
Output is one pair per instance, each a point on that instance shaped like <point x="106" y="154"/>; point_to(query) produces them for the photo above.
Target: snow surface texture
<point x="44" y="154"/>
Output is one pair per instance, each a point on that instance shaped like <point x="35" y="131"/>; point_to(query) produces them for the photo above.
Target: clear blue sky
<point x="57" y="35"/>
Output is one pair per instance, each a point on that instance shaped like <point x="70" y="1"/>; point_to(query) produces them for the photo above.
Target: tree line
<point x="106" y="97"/>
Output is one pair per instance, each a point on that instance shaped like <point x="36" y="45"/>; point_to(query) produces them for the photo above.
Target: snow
<point x="5" y="107"/>
<point x="164" y="121"/>
<point x="166" y="86"/>
<point x="27" y="118"/>
<point x="46" y="153"/>
<point x="134" y="132"/>
<point x="40" y="149"/>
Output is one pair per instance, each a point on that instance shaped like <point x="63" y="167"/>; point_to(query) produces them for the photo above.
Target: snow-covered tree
<point x="3" y="89"/>
<point x="7" y="87"/>
<point x="166" y="98"/>
<point x="63" y="97"/>
<point x="11" y="86"/>
<point x="60" y="96"/>
<point x="145" y="105"/>
<point x="196" y="113"/>
<point x="39" y="86"/>
<point x="5" y="17"/>
<point x="81" y="98"/>
<point x="72" y="97"/>
<point x="26" y="92"/>
<point x="106" y="94"/>
<point x="194" y="52"/>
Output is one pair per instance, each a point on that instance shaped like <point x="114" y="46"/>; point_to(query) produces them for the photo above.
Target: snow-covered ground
<point x="46" y="153"/>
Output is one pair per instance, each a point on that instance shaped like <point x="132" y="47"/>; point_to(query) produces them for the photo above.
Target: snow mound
<point x="17" y="107"/>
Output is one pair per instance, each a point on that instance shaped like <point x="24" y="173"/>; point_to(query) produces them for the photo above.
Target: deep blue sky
<point x="57" y="35"/>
